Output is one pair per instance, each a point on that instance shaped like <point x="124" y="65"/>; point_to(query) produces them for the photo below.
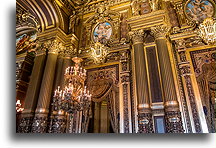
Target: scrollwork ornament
<point x="99" y="53"/>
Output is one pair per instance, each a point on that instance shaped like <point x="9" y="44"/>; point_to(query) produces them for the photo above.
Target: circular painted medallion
<point x="102" y="32"/>
<point x="198" y="10"/>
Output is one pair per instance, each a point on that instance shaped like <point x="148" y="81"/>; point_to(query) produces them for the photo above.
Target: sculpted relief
<point x="198" y="10"/>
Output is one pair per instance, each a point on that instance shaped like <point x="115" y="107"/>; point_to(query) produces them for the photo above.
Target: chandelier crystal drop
<point x="207" y="31"/>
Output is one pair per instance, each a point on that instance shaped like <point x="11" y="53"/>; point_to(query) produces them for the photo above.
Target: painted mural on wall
<point x="102" y="32"/>
<point x="198" y="10"/>
<point x="25" y="42"/>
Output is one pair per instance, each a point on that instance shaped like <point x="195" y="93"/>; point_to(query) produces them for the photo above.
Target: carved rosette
<point x="173" y="122"/>
<point x="39" y="124"/>
<point x="145" y="123"/>
<point x="25" y="125"/>
<point x="137" y="36"/>
<point x="160" y="31"/>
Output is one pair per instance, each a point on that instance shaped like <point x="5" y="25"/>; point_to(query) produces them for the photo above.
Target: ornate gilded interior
<point x="150" y="64"/>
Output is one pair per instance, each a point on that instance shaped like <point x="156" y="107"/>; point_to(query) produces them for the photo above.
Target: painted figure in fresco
<point x="25" y="43"/>
<point x="102" y="33"/>
<point x="198" y="10"/>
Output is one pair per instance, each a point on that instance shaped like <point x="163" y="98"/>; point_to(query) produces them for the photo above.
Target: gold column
<point x="172" y="112"/>
<point x="32" y="92"/>
<point x="145" y="123"/>
<point x="40" y="120"/>
<point x="58" y="118"/>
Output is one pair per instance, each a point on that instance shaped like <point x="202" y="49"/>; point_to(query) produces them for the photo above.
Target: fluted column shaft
<point x="172" y="112"/>
<point x="32" y="92"/>
<point x="145" y="116"/>
<point x="40" y="120"/>
<point x="58" y="118"/>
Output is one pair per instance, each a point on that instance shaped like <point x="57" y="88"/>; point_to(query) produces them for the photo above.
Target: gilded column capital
<point x="137" y="36"/>
<point x="160" y="31"/>
<point x="40" y="50"/>
<point x="69" y="51"/>
<point x="53" y="46"/>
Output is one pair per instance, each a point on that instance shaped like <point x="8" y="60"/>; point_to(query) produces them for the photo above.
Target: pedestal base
<point x="145" y="123"/>
<point x="173" y="122"/>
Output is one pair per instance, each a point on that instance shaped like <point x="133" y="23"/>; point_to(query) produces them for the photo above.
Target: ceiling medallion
<point x="99" y="53"/>
<point x="207" y="31"/>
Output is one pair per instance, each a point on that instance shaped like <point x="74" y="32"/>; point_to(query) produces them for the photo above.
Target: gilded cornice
<point x="160" y="31"/>
<point x="148" y="20"/>
<point x="67" y="40"/>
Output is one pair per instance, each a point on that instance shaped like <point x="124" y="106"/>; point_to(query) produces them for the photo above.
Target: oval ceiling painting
<point x="102" y="32"/>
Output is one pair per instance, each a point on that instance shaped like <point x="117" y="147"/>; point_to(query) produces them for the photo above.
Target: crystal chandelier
<point x="75" y="96"/>
<point x="207" y="31"/>
<point x="19" y="107"/>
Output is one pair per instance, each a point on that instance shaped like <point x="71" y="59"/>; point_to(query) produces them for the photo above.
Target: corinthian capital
<point x="53" y="46"/>
<point x="137" y="36"/>
<point x="160" y="31"/>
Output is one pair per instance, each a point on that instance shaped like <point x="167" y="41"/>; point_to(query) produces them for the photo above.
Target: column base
<point x="57" y="124"/>
<point x="145" y="123"/>
<point x="173" y="122"/>
<point x="39" y="123"/>
<point x="25" y="123"/>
